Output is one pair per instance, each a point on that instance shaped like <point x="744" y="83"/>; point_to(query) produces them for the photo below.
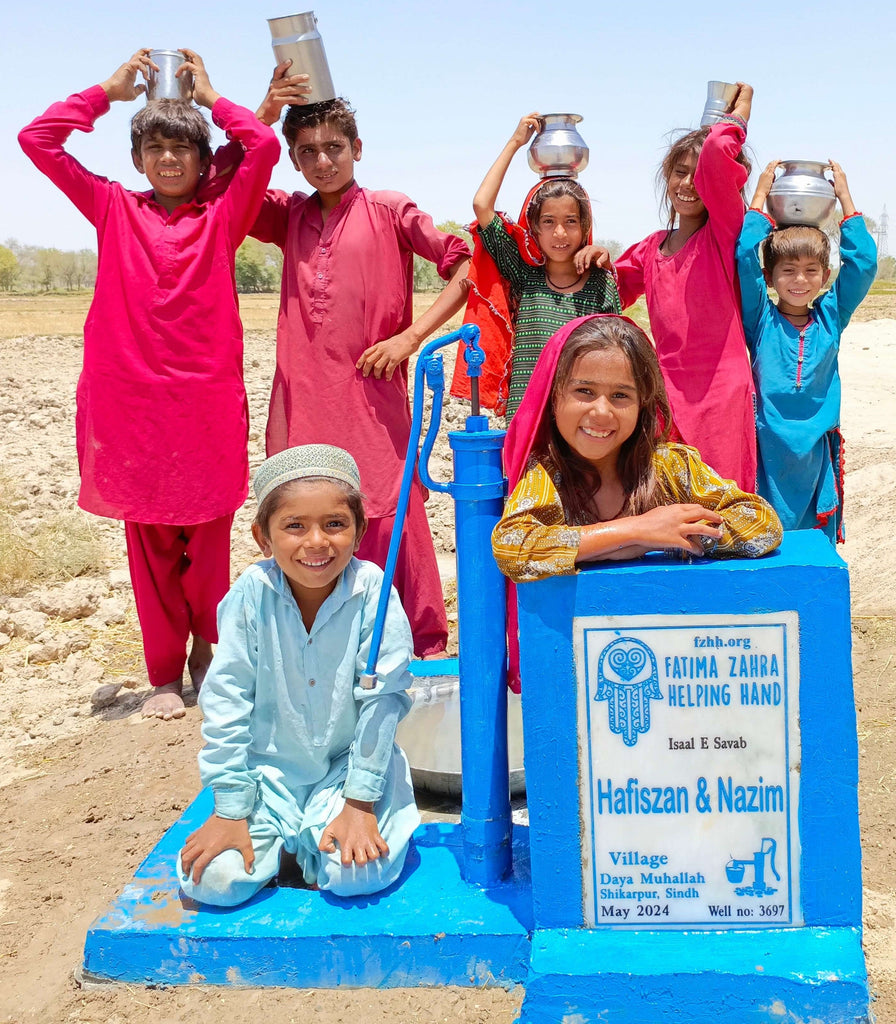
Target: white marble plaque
<point x="689" y="760"/>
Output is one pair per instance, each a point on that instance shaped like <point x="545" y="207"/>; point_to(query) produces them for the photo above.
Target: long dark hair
<point x="692" y="142"/>
<point x="560" y="188"/>
<point x="577" y="480"/>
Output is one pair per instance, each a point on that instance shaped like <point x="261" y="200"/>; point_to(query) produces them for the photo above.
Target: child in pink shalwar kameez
<point x="689" y="278"/>
<point x="346" y="331"/>
<point x="162" y="419"/>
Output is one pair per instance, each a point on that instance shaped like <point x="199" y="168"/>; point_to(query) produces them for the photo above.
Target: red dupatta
<point x="529" y="428"/>
<point x="491" y="307"/>
<point x="528" y="432"/>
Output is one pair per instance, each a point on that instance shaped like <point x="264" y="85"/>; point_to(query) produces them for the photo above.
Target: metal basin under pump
<point x="430" y="733"/>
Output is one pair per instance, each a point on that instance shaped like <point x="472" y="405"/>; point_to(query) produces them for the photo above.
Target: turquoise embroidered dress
<point x="798" y="382"/>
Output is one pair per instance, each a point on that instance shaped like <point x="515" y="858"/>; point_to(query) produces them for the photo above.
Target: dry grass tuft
<point x="67" y="546"/>
<point x="62" y="547"/>
<point x="120" y="649"/>
<point x="15" y="559"/>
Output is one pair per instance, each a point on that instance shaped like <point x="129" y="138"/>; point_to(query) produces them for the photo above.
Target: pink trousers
<point x="179" y="575"/>
<point x="416" y="573"/>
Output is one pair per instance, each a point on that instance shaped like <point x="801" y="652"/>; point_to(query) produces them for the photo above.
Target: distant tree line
<point x="886" y="268"/>
<point x="259" y="266"/>
<point x="426" y="277"/>
<point x="29" y="268"/>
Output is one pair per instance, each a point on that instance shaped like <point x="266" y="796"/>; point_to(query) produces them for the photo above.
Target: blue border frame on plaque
<point x="804" y="577"/>
<point x="689" y="770"/>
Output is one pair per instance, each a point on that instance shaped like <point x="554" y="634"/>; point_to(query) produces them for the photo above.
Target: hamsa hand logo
<point x="627" y="679"/>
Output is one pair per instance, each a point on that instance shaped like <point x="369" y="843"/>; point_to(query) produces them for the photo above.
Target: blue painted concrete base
<point x="761" y="977"/>
<point x="430" y="928"/>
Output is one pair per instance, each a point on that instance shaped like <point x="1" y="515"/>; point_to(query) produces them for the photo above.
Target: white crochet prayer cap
<point x="304" y="461"/>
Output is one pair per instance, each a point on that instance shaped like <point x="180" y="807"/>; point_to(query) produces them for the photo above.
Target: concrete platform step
<point x="688" y="977"/>
<point x="430" y="928"/>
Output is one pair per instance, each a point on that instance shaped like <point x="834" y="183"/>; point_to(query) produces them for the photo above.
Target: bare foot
<point x="199" y="660"/>
<point x="166" y="702"/>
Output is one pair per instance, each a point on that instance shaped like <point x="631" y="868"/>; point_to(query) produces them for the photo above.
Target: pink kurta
<point x="347" y="284"/>
<point x="693" y="300"/>
<point x="162" y="419"/>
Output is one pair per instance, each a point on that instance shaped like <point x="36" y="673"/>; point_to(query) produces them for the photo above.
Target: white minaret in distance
<point x="882" y="234"/>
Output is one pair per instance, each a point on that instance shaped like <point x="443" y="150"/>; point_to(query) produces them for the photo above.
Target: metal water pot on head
<point x="164" y="83"/>
<point x="719" y="97"/>
<point x="295" y="37"/>
<point x="801" y="194"/>
<point x="558" y="151"/>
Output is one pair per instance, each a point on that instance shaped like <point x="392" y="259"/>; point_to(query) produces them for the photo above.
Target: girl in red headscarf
<point x="593" y="474"/>
<point x="530" y="278"/>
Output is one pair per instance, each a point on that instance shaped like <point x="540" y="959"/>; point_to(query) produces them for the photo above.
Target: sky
<point x="439" y="88"/>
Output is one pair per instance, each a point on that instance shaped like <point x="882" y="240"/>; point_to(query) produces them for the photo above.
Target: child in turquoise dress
<point x="793" y="347"/>
<point x="300" y="758"/>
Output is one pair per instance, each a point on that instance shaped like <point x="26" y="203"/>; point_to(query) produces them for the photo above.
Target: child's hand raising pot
<point x="764" y="185"/>
<point x="203" y="92"/>
<point x="122" y="83"/>
<point x="743" y="101"/>
<point x="528" y="126"/>
<point x="285" y="89"/>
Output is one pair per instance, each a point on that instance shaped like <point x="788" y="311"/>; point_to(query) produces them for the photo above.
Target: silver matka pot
<point x="801" y="194"/>
<point x="558" y="151"/>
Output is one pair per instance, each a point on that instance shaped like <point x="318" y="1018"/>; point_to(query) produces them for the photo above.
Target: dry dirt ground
<point x="86" y="787"/>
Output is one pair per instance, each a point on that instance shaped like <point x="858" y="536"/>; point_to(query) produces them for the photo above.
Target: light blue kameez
<point x="289" y="733"/>
<point x="797" y="380"/>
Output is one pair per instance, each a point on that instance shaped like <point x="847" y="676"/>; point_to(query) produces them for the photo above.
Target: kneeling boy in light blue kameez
<point x="793" y="349"/>
<point x="299" y="758"/>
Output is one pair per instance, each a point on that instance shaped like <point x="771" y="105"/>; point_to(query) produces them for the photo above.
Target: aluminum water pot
<point x="430" y="736"/>
<point x="801" y="194"/>
<point x="296" y="38"/>
<point x="163" y="84"/>
<point x="558" y="151"/>
<point x="719" y="97"/>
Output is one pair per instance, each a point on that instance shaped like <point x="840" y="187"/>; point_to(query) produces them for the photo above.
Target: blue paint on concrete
<point x="814" y="973"/>
<point x="799" y="976"/>
<point x="805" y="575"/>
<point x="430" y="928"/>
<point x="478" y="491"/>
<point x="434" y="667"/>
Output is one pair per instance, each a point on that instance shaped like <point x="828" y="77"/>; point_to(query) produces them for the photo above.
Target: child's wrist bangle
<point x="735" y="119"/>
